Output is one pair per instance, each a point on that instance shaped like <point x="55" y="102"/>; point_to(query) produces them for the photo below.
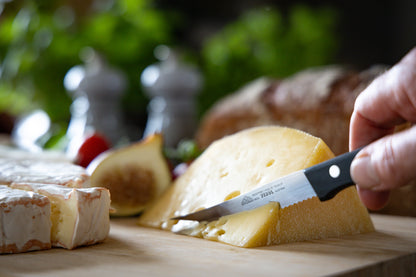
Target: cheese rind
<point x="80" y="216"/>
<point x="241" y="162"/>
<point x="42" y="171"/>
<point x="24" y="221"/>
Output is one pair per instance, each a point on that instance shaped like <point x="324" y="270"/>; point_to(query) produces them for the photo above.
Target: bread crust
<point x="318" y="101"/>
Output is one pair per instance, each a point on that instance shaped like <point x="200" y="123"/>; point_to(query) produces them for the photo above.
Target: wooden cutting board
<point x="136" y="251"/>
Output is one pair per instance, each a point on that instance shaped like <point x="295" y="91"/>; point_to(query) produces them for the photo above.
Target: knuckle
<point x="386" y="166"/>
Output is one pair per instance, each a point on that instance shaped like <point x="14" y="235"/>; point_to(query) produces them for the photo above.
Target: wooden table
<point x="136" y="251"/>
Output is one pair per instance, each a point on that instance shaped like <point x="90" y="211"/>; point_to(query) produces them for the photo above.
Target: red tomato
<point x="92" y="146"/>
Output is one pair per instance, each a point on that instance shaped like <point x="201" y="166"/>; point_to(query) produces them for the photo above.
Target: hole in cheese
<point x="232" y="195"/>
<point x="220" y="232"/>
<point x="223" y="173"/>
<point x="270" y="163"/>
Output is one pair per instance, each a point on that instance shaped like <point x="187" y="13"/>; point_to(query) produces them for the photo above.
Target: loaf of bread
<point x="242" y="162"/>
<point x="319" y="101"/>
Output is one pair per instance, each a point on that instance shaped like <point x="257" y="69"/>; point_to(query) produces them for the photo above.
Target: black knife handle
<point x="332" y="176"/>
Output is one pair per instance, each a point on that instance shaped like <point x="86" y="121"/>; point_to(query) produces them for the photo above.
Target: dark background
<point x="368" y="32"/>
<point x="371" y="32"/>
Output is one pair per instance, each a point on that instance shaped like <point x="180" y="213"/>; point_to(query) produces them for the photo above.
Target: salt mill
<point x="172" y="87"/>
<point x="96" y="89"/>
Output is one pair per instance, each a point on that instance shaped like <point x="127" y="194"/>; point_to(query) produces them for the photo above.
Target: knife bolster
<point x="330" y="177"/>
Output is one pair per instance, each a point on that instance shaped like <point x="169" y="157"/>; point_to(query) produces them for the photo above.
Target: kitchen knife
<point x="323" y="180"/>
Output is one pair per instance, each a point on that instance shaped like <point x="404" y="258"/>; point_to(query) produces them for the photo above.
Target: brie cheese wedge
<point x="24" y="221"/>
<point x="80" y="216"/>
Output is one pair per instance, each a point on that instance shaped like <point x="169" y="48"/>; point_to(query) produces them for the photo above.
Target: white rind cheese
<point x="24" y="221"/>
<point x="79" y="216"/>
<point x="42" y="171"/>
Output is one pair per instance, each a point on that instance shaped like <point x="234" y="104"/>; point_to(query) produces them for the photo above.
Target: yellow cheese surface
<point x="241" y="162"/>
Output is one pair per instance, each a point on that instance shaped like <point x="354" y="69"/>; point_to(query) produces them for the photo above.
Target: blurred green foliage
<point x="186" y="151"/>
<point x="265" y="42"/>
<point x="41" y="40"/>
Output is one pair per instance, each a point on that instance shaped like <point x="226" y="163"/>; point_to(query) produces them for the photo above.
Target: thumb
<point x="387" y="163"/>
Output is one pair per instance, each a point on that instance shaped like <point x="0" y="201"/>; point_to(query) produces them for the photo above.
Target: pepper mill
<point x="172" y="87"/>
<point x="96" y="89"/>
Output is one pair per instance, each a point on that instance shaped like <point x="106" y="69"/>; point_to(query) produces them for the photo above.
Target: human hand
<point x="389" y="159"/>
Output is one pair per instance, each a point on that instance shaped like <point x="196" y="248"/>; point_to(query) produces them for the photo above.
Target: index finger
<point x="386" y="102"/>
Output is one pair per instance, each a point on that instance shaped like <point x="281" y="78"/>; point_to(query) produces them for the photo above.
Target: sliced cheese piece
<point x="24" y="221"/>
<point x="79" y="216"/>
<point x="246" y="160"/>
<point x="254" y="227"/>
<point x="42" y="171"/>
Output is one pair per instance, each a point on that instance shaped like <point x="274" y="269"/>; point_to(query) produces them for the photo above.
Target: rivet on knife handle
<point x="329" y="178"/>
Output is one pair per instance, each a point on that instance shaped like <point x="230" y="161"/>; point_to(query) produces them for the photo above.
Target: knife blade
<point x="323" y="180"/>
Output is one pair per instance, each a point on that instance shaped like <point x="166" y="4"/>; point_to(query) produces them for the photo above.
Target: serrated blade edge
<point x="287" y="190"/>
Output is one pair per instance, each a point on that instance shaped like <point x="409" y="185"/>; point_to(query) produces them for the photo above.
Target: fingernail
<point x="363" y="173"/>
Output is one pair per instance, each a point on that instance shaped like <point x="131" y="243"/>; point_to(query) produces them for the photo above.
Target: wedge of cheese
<point x="80" y="216"/>
<point x="241" y="162"/>
<point x="24" y="221"/>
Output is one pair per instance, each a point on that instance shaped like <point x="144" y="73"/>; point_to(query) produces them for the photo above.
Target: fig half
<point x="136" y="175"/>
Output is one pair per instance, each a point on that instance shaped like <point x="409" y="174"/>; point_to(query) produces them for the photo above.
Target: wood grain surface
<point x="131" y="250"/>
